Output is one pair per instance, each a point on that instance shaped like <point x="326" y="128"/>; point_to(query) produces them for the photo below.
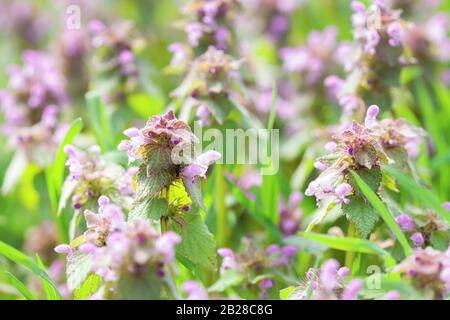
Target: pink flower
<point x="405" y="222"/>
<point x="352" y="289"/>
<point x="417" y="239"/>
<point x="200" y="165"/>
<point x="194" y="290"/>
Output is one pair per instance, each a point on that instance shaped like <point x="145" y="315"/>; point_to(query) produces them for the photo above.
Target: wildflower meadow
<point x="225" y="150"/>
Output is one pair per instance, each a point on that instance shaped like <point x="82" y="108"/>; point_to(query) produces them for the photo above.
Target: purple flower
<point x="64" y="248"/>
<point x="328" y="274"/>
<point x="166" y="245"/>
<point x="352" y="290"/>
<point x="371" y="117"/>
<point x="343" y="272"/>
<point x="405" y="222"/>
<point x="200" y="165"/>
<point x="264" y="285"/>
<point x="395" y="33"/>
<point x="392" y="295"/>
<point x="229" y="259"/>
<point x="203" y="113"/>
<point x="417" y="239"/>
<point x="194" y="290"/>
<point x="342" y="191"/>
<point x="446" y="206"/>
<point x="372" y="41"/>
<point x="194" y="31"/>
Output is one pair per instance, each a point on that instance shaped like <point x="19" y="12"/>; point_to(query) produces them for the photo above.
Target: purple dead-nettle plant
<point x="169" y="182"/>
<point x="363" y="149"/>
<point x="329" y="282"/>
<point x="32" y="106"/>
<point x="207" y="60"/>
<point x="122" y="253"/>
<point x="210" y="23"/>
<point x="91" y="176"/>
<point x="73" y="53"/>
<point x="423" y="227"/>
<point x="308" y="65"/>
<point x="25" y="22"/>
<point x="115" y="58"/>
<point x="429" y="271"/>
<point x="271" y="17"/>
<point x="290" y="214"/>
<point x="378" y="56"/>
<point x="260" y="269"/>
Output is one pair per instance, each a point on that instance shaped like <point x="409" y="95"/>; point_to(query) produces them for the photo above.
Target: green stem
<point x="221" y="221"/>
<point x="350" y="255"/>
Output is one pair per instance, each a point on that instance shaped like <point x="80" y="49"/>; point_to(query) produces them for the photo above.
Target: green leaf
<point x="439" y="240"/>
<point x="417" y="191"/>
<point x="194" y="190"/>
<point x="384" y="213"/>
<point x="78" y="268"/>
<point x="197" y="243"/>
<point x="145" y="286"/>
<point x="149" y="208"/>
<point x="228" y="278"/>
<point x="359" y="211"/>
<point x="20" y="286"/>
<point x="25" y="261"/>
<point x="88" y="287"/>
<point x="145" y="105"/>
<point x="346" y="244"/>
<point x="306" y="245"/>
<point x="50" y="292"/>
<point x="55" y="173"/>
<point x="286" y="292"/>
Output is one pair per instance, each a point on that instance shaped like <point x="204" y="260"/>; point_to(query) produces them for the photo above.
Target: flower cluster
<point x="115" y="55"/>
<point x="166" y="145"/>
<point x="271" y="17"/>
<point x="380" y="50"/>
<point x="119" y="248"/>
<point x="328" y="283"/>
<point x="318" y="58"/>
<point x="253" y="260"/>
<point x="429" y="270"/>
<point x="91" y="176"/>
<point x="32" y="105"/>
<point x="420" y="232"/>
<point x="362" y="147"/>
<point x="24" y="20"/>
<point x="209" y="23"/>
<point x="208" y="62"/>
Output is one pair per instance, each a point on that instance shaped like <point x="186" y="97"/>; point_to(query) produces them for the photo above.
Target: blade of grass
<point x="99" y="121"/>
<point x="20" y="286"/>
<point x="25" y="261"/>
<point x="273" y="113"/>
<point x="383" y="212"/>
<point x="50" y="292"/>
<point x="425" y="195"/>
<point x="346" y="244"/>
<point x="55" y="172"/>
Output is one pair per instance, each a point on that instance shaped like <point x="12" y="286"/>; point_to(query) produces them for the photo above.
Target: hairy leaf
<point x="197" y="242"/>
